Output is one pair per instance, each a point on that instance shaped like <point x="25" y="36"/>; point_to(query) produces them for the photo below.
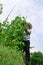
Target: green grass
<point x="9" y="56"/>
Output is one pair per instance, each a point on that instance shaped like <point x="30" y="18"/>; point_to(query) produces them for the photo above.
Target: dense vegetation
<point x="36" y="58"/>
<point x="11" y="45"/>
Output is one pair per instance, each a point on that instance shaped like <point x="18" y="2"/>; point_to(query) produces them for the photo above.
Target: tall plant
<point x="13" y="33"/>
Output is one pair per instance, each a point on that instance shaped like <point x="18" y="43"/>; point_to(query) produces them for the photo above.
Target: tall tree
<point x="37" y="58"/>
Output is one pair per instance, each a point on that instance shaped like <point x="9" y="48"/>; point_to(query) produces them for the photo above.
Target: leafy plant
<point x="1" y="8"/>
<point x="12" y="34"/>
<point x="11" y="41"/>
<point x="37" y="58"/>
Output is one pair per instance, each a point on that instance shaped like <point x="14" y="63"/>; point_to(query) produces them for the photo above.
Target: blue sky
<point x="33" y="10"/>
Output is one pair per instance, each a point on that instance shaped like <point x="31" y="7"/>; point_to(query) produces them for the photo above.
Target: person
<point x="26" y="40"/>
<point x="26" y="36"/>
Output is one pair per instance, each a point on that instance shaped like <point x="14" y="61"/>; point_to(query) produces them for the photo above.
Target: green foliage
<point x="1" y="8"/>
<point x="37" y="58"/>
<point x="9" y="56"/>
<point x="12" y="33"/>
<point x="11" y="41"/>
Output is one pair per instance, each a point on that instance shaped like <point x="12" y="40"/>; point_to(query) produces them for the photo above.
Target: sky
<point x="32" y="10"/>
